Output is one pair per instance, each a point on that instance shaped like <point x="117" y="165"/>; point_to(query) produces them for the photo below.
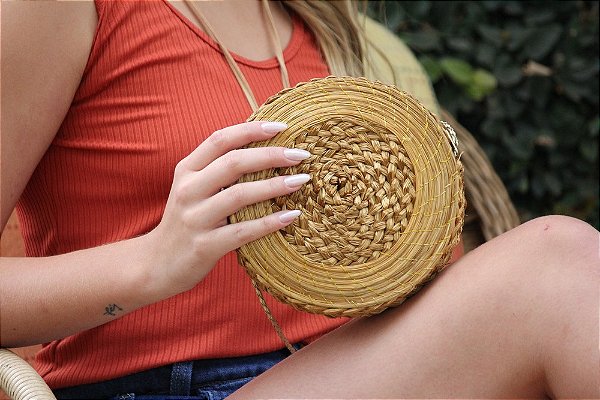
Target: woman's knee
<point x="561" y="226"/>
<point x="538" y="259"/>
<point x="564" y="238"/>
<point x="567" y="265"/>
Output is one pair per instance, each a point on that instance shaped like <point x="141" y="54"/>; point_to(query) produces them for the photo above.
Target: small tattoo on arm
<point x="111" y="309"/>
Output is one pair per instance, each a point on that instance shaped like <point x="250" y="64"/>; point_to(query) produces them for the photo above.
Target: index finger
<point x="230" y="138"/>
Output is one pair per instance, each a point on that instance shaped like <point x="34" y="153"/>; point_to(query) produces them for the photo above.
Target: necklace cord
<point x="239" y="76"/>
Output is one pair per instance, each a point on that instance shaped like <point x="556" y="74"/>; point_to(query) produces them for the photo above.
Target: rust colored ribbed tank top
<point x="155" y="86"/>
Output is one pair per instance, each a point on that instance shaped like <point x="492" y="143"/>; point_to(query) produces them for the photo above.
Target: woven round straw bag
<point x="384" y="207"/>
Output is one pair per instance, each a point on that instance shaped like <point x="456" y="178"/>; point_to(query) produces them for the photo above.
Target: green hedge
<point x="523" y="77"/>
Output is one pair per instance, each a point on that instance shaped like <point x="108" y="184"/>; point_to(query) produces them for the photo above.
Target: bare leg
<point x="517" y="318"/>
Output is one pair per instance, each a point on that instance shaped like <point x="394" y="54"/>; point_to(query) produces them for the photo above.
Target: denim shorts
<point x="212" y="379"/>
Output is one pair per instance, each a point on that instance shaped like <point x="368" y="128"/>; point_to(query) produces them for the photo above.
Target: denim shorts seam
<point x="205" y="385"/>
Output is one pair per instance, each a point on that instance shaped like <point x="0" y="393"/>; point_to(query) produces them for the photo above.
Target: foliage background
<point x="523" y="78"/>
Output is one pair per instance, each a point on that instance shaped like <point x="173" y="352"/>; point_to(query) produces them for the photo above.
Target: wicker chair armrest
<point x="19" y="380"/>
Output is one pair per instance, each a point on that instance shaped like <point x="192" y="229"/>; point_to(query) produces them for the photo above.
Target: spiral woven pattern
<point x="383" y="209"/>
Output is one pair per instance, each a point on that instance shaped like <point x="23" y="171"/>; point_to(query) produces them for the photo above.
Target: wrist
<point x="149" y="279"/>
<point x="161" y="274"/>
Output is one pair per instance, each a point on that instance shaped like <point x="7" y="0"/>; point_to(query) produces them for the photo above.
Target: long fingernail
<point x="272" y="128"/>
<point x="296" y="154"/>
<point x="289" y="216"/>
<point x="293" y="181"/>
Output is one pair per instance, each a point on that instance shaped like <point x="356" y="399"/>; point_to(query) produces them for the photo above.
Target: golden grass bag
<point x="383" y="210"/>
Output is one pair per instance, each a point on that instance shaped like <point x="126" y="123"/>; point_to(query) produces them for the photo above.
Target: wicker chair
<point x="490" y="211"/>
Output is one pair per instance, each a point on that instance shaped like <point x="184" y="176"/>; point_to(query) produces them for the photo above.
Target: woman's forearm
<point x="46" y="298"/>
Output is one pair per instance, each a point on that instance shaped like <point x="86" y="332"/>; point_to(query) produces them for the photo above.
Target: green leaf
<point x="494" y="108"/>
<point x="577" y="90"/>
<point x="507" y="73"/>
<point x="520" y="149"/>
<point x="458" y="70"/>
<point x="522" y="184"/>
<point x="493" y="128"/>
<point x="538" y="189"/>
<point x="417" y="9"/>
<point x="589" y="150"/>
<point x="583" y="69"/>
<point x="491" y="5"/>
<point x="465" y="104"/>
<point x="512" y="105"/>
<point x="540" y="16"/>
<point x="540" y="89"/>
<point x="482" y="84"/>
<point x="541" y="41"/>
<point x="426" y="40"/>
<point x="508" y="76"/>
<point x="475" y="92"/>
<point x="447" y="93"/>
<point x="460" y="44"/>
<point x="432" y="67"/>
<point x="558" y="160"/>
<point x="594" y="126"/>
<point x="485" y="54"/>
<point x="518" y="35"/>
<point x="485" y="80"/>
<point x="491" y="34"/>
<point x="513" y="7"/>
<point x="553" y="184"/>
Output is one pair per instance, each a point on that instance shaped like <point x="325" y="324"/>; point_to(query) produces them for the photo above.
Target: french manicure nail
<point x="296" y="154"/>
<point x="272" y="128"/>
<point x="296" y="180"/>
<point x="289" y="216"/>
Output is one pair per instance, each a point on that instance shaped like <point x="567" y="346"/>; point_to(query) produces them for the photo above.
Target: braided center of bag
<point x="383" y="209"/>
<point x="359" y="199"/>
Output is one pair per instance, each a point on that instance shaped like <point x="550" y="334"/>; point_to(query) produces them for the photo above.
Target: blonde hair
<point x="339" y="35"/>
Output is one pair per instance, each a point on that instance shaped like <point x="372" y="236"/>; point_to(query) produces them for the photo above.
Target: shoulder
<point x="60" y="16"/>
<point x="43" y="34"/>
<point x="45" y="46"/>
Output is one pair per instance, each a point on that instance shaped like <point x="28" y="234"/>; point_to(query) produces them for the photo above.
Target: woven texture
<point x="19" y="380"/>
<point x="384" y="207"/>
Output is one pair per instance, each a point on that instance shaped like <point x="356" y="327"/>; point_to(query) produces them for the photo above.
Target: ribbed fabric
<point x="155" y="87"/>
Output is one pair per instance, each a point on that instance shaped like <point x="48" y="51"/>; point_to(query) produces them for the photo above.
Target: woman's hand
<point x="194" y="233"/>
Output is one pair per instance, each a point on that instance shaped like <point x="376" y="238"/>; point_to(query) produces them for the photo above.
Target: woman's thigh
<point x="517" y="317"/>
